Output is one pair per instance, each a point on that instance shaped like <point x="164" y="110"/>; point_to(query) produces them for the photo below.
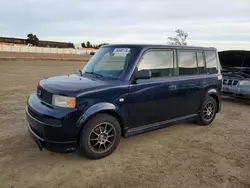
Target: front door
<point x="156" y="99"/>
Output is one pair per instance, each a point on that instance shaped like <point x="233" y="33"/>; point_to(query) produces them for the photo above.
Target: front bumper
<point x="236" y="91"/>
<point x="53" y="128"/>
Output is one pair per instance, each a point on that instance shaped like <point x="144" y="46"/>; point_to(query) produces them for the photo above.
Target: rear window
<point x="211" y="62"/>
<point x="187" y="63"/>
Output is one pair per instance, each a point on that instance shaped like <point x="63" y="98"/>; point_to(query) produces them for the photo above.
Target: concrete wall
<point x="32" y="49"/>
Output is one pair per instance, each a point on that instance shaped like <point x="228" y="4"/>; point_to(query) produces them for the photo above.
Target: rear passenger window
<point x="201" y="63"/>
<point x="211" y="62"/>
<point x="160" y="62"/>
<point x="187" y="63"/>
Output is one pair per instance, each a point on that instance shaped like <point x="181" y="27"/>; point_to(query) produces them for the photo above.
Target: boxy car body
<point x="138" y="87"/>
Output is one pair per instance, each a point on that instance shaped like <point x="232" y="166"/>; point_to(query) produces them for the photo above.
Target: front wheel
<point x="207" y="112"/>
<point x="100" y="136"/>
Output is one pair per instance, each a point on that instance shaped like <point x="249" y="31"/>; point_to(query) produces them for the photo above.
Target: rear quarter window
<point x="211" y="62"/>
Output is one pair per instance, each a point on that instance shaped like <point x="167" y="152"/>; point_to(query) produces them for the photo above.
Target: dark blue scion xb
<point x="124" y="90"/>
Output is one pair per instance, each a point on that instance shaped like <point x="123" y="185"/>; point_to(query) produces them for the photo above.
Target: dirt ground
<point x="183" y="155"/>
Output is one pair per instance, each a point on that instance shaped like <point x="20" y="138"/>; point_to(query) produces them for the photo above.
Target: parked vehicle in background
<point x="124" y="90"/>
<point x="236" y="73"/>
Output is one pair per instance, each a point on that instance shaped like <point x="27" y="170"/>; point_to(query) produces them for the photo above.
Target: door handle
<point x="172" y="87"/>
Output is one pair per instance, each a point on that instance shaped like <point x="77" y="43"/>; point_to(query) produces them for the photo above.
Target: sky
<point x="224" y="24"/>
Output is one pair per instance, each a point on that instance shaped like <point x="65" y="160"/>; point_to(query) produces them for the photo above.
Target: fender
<point x="213" y="92"/>
<point x="93" y="110"/>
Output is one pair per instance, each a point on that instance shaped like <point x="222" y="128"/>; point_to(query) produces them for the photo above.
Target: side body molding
<point x="95" y="109"/>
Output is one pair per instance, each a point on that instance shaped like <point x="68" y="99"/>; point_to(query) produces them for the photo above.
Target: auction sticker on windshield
<point x="124" y="50"/>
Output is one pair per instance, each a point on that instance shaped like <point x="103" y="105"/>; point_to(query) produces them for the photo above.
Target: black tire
<point x="106" y="143"/>
<point x="205" y="118"/>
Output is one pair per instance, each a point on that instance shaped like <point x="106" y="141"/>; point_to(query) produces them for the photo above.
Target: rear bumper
<point x="51" y="128"/>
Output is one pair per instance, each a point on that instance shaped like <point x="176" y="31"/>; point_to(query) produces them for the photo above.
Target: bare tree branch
<point x="180" y="39"/>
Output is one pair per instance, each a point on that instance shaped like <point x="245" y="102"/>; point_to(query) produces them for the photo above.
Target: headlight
<point x="69" y="102"/>
<point x="245" y="82"/>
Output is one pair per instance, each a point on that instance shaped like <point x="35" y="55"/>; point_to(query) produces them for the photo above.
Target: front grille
<point x="44" y="95"/>
<point x="230" y="82"/>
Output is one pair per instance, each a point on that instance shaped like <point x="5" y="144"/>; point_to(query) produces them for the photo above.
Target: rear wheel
<point x="100" y="136"/>
<point x="208" y="111"/>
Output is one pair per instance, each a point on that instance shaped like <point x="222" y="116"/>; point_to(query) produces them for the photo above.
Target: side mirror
<point x="143" y="74"/>
<point x="92" y="53"/>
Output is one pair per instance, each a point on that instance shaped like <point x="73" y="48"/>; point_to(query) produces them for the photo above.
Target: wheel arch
<point x="100" y="108"/>
<point x="215" y="94"/>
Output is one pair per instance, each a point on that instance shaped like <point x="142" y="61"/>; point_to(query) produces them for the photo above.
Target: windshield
<point x="110" y="62"/>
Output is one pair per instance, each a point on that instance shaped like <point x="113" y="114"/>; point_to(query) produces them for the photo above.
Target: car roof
<point x="158" y="46"/>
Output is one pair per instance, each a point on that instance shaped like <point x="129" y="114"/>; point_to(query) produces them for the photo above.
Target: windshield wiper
<point x="95" y="74"/>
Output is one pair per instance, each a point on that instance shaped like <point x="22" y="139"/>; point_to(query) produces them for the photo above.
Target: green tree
<point x="83" y="45"/>
<point x="88" y="45"/>
<point x="179" y="39"/>
<point x="100" y="45"/>
<point x="32" y="39"/>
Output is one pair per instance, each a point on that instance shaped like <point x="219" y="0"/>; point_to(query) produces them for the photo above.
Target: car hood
<point x="73" y="85"/>
<point x="235" y="63"/>
<point x="235" y="58"/>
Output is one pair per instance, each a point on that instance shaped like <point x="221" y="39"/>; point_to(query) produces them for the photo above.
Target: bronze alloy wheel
<point x="209" y="111"/>
<point x="102" y="137"/>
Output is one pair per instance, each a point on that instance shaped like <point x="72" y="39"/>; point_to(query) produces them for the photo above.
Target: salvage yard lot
<point x="183" y="155"/>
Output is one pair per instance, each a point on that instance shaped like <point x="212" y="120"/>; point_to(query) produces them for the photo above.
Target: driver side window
<point x="159" y="62"/>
